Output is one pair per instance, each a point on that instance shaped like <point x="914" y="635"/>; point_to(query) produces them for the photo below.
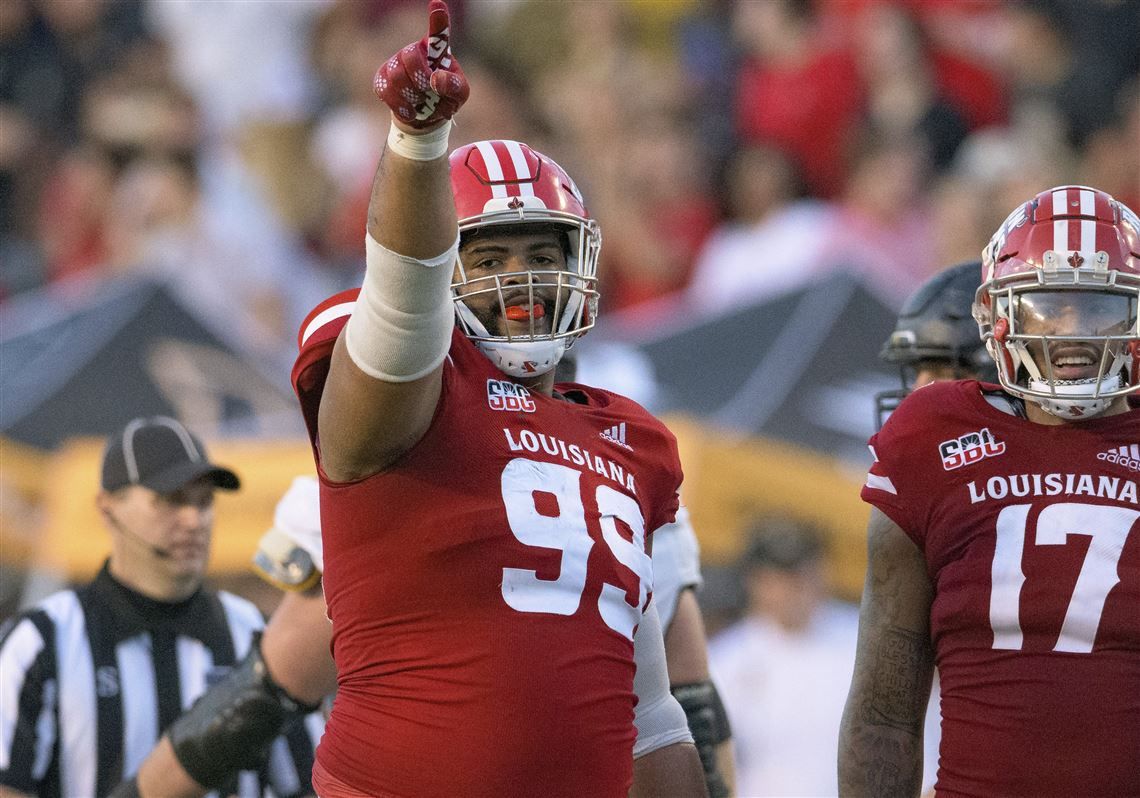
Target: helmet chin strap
<point x="1080" y="405"/>
<point x="524" y="359"/>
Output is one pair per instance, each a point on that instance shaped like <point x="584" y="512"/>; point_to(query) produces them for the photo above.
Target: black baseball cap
<point x="161" y="454"/>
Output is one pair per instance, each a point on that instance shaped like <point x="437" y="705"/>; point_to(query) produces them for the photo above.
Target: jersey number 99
<point x="566" y="531"/>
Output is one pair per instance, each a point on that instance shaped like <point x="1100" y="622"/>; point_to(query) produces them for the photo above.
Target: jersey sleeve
<point x="665" y="509"/>
<point x="889" y="485"/>
<point x="676" y="564"/>
<point x="315" y="342"/>
<point x="27" y="701"/>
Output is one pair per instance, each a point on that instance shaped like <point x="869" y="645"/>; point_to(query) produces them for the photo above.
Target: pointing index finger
<point x="439" y="19"/>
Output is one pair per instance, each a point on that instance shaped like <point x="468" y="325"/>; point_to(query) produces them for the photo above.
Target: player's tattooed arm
<point x="880" y="740"/>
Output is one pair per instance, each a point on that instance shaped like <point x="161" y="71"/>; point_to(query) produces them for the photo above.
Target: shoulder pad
<point x="284" y="564"/>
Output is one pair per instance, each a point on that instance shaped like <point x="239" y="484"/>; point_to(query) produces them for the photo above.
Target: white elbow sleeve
<point x="659" y="719"/>
<point x="401" y="326"/>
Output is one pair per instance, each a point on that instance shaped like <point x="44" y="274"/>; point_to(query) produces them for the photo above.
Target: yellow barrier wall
<point x="729" y="481"/>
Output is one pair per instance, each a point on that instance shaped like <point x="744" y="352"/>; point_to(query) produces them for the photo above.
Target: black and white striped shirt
<point x="90" y="677"/>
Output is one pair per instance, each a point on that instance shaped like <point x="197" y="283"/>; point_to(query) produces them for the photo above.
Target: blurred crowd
<point x="731" y="150"/>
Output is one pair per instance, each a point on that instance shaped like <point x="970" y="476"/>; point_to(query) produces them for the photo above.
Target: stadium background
<point x="180" y="181"/>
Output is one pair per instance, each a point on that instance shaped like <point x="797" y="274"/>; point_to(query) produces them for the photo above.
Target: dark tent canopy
<point x="802" y="367"/>
<point x="84" y="365"/>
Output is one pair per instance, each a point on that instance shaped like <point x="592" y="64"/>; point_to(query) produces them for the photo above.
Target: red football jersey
<point x="484" y="590"/>
<point x="1032" y="541"/>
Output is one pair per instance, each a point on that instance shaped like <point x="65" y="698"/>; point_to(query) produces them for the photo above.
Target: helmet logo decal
<point x="515" y="203"/>
<point x="1076" y="259"/>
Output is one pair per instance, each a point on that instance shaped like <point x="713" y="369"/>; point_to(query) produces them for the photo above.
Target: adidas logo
<point x="616" y="434"/>
<point x="1127" y="456"/>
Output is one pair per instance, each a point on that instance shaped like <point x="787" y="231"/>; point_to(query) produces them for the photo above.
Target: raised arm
<point x="385" y="376"/>
<point x="880" y="738"/>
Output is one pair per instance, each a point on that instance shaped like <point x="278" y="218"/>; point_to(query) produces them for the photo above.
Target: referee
<point x="90" y="677"/>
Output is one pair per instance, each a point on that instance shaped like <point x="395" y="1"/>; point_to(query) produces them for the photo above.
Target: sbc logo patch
<point x="969" y="448"/>
<point x="510" y="396"/>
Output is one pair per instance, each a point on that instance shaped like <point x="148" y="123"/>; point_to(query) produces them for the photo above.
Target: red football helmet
<point x="507" y="184"/>
<point x="1057" y="306"/>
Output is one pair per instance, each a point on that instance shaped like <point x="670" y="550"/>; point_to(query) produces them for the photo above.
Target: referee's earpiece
<point x="157" y="551"/>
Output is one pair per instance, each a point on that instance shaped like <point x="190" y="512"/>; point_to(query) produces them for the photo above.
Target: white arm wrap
<point x="659" y="719"/>
<point x="421" y="147"/>
<point x="401" y="326"/>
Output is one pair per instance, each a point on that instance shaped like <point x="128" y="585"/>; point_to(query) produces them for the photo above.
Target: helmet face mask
<point x="1058" y="308"/>
<point x="524" y="321"/>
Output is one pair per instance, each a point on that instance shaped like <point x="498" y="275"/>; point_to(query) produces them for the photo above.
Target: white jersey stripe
<point x="325" y="316"/>
<point x="286" y="780"/>
<point x="1136" y="451"/>
<point x="522" y="171"/>
<point x="23" y="646"/>
<point x="243" y="619"/>
<point x="77" y="705"/>
<point x="881" y="483"/>
<point x="140" y="702"/>
<point x="494" y="169"/>
<point x="194" y="662"/>
<point x="45" y="731"/>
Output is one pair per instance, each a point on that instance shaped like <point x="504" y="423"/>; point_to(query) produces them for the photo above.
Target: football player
<point x="486" y="567"/>
<point x="936" y="337"/>
<point x="1004" y="542"/>
<point x="294" y="670"/>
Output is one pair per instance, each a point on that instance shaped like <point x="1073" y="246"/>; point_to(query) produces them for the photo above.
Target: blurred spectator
<point x="882" y="226"/>
<point x="783" y="669"/>
<point x="58" y="50"/>
<point x="50" y="52"/>
<point x="771" y="243"/>
<point x="903" y="98"/>
<point x="243" y="62"/>
<point x="157" y="225"/>
<point x="1069" y="58"/>
<point x="1111" y="155"/>
<point x="653" y="191"/>
<point x="797" y="88"/>
<point x="72" y="211"/>
<point x="990" y="170"/>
